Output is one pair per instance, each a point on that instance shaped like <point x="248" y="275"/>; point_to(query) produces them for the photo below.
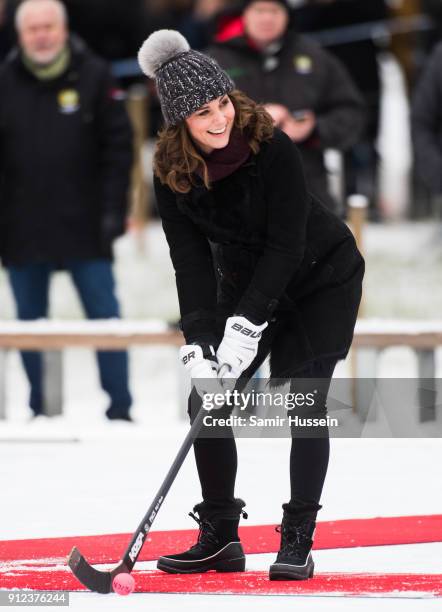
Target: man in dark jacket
<point x="306" y="90"/>
<point x="65" y="159"/>
<point x="427" y="124"/>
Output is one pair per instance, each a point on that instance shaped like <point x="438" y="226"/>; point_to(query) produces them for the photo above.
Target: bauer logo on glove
<point x="238" y="347"/>
<point x="246" y="331"/>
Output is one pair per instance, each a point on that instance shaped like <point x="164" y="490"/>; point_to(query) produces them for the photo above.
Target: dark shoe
<point x="114" y="415"/>
<point x="218" y="547"/>
<point x="37" y="417"/>
<point x="294" y="560"/>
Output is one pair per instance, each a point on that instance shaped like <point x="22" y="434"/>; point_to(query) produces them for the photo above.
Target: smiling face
<point x="210" y="126"/>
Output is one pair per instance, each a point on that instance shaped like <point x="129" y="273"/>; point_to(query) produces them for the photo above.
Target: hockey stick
<point x="101" y="581"/>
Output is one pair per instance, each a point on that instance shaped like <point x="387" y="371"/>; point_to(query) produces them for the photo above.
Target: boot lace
<point x="207" y="532"/>
<point x="295" y="537"/>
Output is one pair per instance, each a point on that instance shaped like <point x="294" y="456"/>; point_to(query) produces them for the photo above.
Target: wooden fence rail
<point x="370" y="339"/>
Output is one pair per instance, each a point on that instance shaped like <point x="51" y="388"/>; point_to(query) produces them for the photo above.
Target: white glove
<point x="203" y="372"/>
<point x="238" y="347"/>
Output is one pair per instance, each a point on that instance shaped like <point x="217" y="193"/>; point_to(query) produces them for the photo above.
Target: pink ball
<point x="123" y="584"/>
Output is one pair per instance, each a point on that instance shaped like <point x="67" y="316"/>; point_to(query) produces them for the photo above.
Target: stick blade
<point x="95" y="580"/>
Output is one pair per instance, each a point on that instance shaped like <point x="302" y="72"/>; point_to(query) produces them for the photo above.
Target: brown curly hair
<point x="177" y="158"/>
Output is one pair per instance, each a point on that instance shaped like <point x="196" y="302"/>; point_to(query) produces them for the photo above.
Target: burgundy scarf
<point x="222" y="162"/>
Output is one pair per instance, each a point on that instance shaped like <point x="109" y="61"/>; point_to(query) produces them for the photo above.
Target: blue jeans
<point x="95" y="284"/>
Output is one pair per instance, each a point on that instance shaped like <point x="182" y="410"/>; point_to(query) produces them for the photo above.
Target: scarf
<point x="51" y="71"/>
<point x="222" y="162"/>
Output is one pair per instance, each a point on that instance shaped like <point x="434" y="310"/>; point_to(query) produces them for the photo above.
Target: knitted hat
<point x="186" y="79"/>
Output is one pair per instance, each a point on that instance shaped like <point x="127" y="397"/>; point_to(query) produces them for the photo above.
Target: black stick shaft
<point x="133" y="550"/>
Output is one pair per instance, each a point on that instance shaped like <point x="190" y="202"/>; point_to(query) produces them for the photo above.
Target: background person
<point x="360" y="54"/>
<point x="305" y="89"/>
<point x="427" y="124"/>
<point x="65" y="159"/>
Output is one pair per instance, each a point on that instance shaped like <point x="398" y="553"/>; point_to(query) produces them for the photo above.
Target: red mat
<point x="248" y="583"/>
<point x="256" y="539"/>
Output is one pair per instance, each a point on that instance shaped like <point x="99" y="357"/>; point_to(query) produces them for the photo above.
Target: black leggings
<point x="217" y="460"/>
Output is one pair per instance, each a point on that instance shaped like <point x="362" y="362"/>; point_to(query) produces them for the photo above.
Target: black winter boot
<point x="218" y="547"/>
<point x="294" y="560"/>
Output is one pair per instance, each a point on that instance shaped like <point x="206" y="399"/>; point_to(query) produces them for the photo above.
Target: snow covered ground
<point x="104" y="482"/>
<point x="80" y="475"/>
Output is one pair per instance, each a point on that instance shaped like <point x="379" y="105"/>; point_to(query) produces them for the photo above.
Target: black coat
<point x="278" y="252"/>
<point x="65" y="159"/>
<point x="427" y="124"/>
<point x="301" y="75"/>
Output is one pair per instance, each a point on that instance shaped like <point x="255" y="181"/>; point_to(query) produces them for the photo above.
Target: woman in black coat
<point x="261" y="267"/>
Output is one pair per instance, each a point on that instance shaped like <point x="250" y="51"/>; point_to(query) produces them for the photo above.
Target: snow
<point x="80" y="475"/>
<point x="104" y="482"/>
<point x="86" y="488"/>
<point x="119" y="327"/>
<point x="402" y="276"/>
<point x="116" y="327"/>
<point x="218" y="603"/>
<point x="394" y="142"/>
<point x="399" y="326"/>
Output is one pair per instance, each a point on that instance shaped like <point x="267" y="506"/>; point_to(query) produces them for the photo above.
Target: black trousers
<point x="216" y="455"/>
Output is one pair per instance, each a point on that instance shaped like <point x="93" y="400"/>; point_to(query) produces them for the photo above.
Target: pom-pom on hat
<point x="186" y="79"/>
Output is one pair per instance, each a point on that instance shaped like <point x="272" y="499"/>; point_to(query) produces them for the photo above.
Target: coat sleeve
<point x="341" y="117"/>
<point x="427" y="124"/>
<point x="194" y="270"/>
<point x="116" y="149"/>
<point x="288" y="204"/>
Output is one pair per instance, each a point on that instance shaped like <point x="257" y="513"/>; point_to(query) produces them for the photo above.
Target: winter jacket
<point x="427" y="123"/>
<point x="301" y="76"/>
<point x="258" y="244"/>
<point x="65" y="159"/>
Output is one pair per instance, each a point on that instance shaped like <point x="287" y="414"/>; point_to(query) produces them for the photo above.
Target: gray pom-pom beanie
<point x="186" y="79"/>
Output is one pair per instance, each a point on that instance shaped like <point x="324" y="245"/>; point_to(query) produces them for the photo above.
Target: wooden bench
<point x="375" y="335"/>
<point x="52" y="337"/>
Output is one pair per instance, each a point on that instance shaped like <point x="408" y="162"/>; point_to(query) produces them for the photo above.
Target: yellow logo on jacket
<point x="68" y="101"/>
<point x="303" y="64"/>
